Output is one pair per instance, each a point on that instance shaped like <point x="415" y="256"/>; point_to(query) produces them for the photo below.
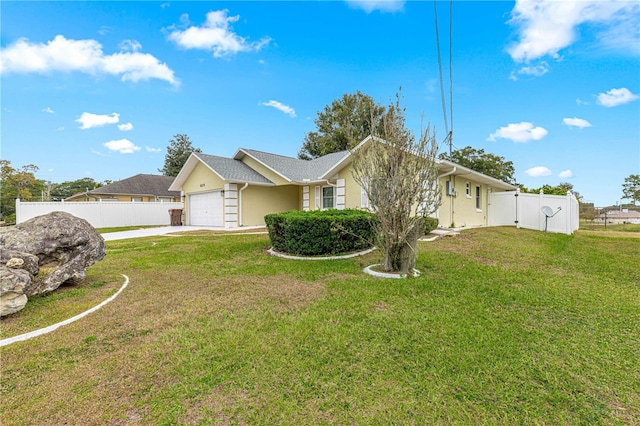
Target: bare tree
<point x="400" y="177"/>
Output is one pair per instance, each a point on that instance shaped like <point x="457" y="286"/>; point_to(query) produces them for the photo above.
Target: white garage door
<point x="206" y="209"/>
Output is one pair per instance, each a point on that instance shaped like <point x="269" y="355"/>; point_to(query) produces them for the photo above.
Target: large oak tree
<point x="342" y="125"/>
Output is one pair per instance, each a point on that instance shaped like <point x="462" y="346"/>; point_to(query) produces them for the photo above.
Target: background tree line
<point x="339" y="126"/>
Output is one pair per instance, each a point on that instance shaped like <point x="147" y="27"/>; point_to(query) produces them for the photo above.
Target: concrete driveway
<point x="150" y="232"/>
<point x="164" y="230"/>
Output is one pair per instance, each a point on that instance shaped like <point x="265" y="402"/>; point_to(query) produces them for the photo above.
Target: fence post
<point x="569" y="221"/>
<point x="18" y="212"/>
<point x="540" y="204"/>
<point x="517" y="194"/>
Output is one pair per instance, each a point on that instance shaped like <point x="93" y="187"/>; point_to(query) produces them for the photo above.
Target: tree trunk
<point x="401" y="256"/>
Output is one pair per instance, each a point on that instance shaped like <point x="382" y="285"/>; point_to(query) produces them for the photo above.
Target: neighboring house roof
<point x="141" y="184"/>
<point x="297" y="171"/>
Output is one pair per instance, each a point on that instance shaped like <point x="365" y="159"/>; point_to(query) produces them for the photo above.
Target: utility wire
<point x="451" y="72"/>
<point x="449" y="132"/>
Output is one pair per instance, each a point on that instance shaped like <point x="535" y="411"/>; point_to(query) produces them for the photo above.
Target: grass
<point x="504" y="326"/>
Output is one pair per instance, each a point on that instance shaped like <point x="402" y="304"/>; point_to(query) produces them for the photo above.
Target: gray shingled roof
<point x="295" y="169"/>
<point x="141" y="184"/>
<point x="232" y="170"/>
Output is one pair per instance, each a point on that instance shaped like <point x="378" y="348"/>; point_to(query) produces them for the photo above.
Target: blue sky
<point x="98" y="89"/>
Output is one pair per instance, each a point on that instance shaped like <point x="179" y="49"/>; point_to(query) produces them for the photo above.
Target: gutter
<point x="448" y="173"/>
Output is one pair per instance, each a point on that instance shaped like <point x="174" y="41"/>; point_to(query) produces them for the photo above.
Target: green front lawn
<point x="504" y="326"/>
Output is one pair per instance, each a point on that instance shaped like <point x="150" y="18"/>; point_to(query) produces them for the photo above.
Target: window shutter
<point x="318" y="198"/>
<point x="364" y="199"/>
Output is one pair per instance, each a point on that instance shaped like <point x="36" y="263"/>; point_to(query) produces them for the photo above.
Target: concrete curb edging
<point x="370" y="271"/>
<point x="53" y="327"/>
<point x="272" y="252"/>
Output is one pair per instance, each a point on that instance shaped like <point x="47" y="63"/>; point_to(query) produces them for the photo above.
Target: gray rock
<point x="63" y="244"/>
<point x="12" y="258"/>
<point x="13" y="286"/>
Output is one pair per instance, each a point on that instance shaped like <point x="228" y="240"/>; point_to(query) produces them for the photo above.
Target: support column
<point x="340" y="194"/>
<point x="305" y="198"/>
<point x="230" y="205"/>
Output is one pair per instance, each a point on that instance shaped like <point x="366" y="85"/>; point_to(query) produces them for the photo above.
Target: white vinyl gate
<point x="206" y="209"/>
<point x="514" y="208"/>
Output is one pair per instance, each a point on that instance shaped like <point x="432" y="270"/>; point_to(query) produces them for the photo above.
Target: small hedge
<point x="321" y="232"/>
<point x="429" y="224"/>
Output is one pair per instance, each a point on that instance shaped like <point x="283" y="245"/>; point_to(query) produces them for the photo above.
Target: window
<point x="328" y="200"/>
<point x="136" y="199"/>
<point x="468" y="190"/>
<point x="478" y="203"/>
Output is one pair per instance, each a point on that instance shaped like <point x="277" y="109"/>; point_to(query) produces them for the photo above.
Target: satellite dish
<point x="548" y="212"/>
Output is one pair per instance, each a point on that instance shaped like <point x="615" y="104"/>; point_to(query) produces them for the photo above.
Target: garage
<point x="206" y="209"/>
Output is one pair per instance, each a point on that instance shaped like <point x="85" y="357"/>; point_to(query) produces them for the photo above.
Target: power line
<point x="449" y="132"/>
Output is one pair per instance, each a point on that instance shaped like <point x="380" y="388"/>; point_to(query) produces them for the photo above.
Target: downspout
<point x="452" y="171"/>
<point x="246" y="184"/>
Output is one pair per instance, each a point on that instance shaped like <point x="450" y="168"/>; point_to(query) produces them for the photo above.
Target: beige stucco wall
<point x="257" y="201"/>
<point x="353" y="197"/>
<point x="264" y="171"/>
<point x="202" y="179"/>
<point x="464" y="209"/>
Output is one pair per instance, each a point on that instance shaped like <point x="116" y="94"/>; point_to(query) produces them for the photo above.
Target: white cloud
<point x="531" y="70"/>
<point x="164" y="5"/>
<point x="88" y="120"/>
<point x="215" y="35"/>
<point x="538" y="171"/>
<point x="48" y="110"/>
<point x="615" y="97"/>
<point x="380" y="5"/>
<point x="60" y="129"/>
<point x="576" y="122"/>
<point x="519" y="132"/>
<point x="86" y="56"/>
<point x="281" y="107"/>
<point x="150" y="149"/>
<point x="565" y="174"/>
<point x="125" y="127"/>
<point x="123" y="146"/>
<point x="130" y="45"/>
<point x="581" y="102"/>
<point x="547" y="26"/>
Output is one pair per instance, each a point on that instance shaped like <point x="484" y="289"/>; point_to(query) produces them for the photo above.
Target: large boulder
<point x="64" y="246"/>
<point x="13" y="285"/>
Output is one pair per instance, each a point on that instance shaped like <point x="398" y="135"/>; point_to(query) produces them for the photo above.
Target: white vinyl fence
<point x="525" y="211"/>
<point x="103" y="214"/>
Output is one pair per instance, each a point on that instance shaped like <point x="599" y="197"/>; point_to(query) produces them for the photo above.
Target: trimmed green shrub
<point x="429" y="224"/>
<point x="321" y="232"/>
